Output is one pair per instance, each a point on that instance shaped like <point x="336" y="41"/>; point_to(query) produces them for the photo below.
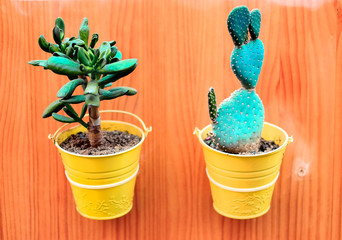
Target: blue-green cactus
<point x="238" y="122"/>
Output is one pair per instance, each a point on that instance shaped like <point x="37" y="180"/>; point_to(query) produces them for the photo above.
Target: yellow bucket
<point x="103" y="186"/>
<point x="242" y="185"/>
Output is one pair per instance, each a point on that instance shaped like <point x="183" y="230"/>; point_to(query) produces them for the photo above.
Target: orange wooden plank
<point x="183" y="48"/>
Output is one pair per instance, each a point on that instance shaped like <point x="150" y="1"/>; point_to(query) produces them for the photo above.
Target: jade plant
<point x="238" y="122"/>
<point x="93" y="69"/>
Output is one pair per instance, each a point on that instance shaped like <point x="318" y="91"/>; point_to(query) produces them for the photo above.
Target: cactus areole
<point x="238" y="121"/>
<point x="94" y="69"/>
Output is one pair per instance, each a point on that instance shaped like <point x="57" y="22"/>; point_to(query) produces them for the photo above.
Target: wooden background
<point x="183" y="48"/>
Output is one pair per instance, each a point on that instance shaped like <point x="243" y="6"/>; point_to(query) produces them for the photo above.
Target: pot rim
<point x="107" y="155"/>
<point x="287" y="140"/>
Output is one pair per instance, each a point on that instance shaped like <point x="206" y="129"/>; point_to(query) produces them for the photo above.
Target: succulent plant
<point x="94" y="69"/>
<point x="238" y="122"/>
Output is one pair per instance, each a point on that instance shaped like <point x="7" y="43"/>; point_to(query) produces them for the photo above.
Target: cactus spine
<point x="238" y="122"/>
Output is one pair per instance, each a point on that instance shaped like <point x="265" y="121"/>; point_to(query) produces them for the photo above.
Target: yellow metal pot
<point x="242" y="185"/>
<point x="103" y="186"/>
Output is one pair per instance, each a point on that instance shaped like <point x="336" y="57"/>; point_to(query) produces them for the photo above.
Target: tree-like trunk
<point x="94" y="129"/>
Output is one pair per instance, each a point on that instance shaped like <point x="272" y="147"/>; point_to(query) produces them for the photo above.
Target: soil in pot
<point x="264" y="147"/>
<point x="112" y="142"/>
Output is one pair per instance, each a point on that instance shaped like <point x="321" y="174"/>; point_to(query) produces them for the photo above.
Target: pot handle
<point x="197" y="131"/>
<point x="146" y="130"/>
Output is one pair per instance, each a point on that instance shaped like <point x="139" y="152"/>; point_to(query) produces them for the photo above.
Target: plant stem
<point x="94" y="129"/>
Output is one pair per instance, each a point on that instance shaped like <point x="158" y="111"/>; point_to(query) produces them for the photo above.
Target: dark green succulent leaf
<point x="108" y="85"/>
<point x="75" y="42"/>
<point x="65" y="66"/>
<point x="92" y="100"/>
<point x="52" y="108"/>
<point x="104" y="50"/>
<point x="70" y="111"/>
<point x="83" y="33"/>
<point x="120" y="66"/>
<point x="94" y="40"/>
<point x="62" y="118"/>
<point x="116" y="92"/>
<point x="69" y="51"/>
<point x="96" y="56"/>
<point x="114" y="77"/>
<point x="63" y="47"/>
<point x="74" y="99"/>
<point x="59" y="54"/>
<point x="60" y="23"/>
<point x="84" y="110"/>
<point x="83" y="57"/>
<point x="42" y="63"/>
<point x="112" y="43"/>
<point x="43" y="44"/>
<point x="113" y="51"/>
<point x="91" y="55"/>
<point x="53" y="48"/>
<point x="92" y="88"/>
<point x="100" y="64"/>
<point x="118" y="55"/>
<point x="68" y="89"/>
<point x="57" y="35"/>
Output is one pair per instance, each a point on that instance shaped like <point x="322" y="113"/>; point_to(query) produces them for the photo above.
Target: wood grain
<point x="183" y="48"/>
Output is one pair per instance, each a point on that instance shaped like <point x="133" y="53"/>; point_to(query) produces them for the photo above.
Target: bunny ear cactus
<point x="94" y="69"/>
<point x="238" y="122"/>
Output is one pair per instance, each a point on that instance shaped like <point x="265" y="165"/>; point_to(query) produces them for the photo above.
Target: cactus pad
<point x="254" y="26"/>
<point x="239" y="121"/>
<point x="238" y="22"/>
<point x="246" y="63"/>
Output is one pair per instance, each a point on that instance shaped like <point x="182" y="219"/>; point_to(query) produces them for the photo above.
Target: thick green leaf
<point x="83" y="57"/>
<point x="75" y="42"/>
<point x="118" y="55"/>
<point x="83" y="33"/>
<point x="60" y="23"/>
<point x="116" y="92"/>
<point x="96" y="56"/>
<point x="65" y="66"/>
<point x="68" y="89"/>
<point x="57" y="35"/>
<point x="52" y="108"/>
<point x="84" y="110"/>
<point x="59" y="54"/>
<point x="53" y="48"/>
<point x="91" y="55"/>
<point x="100" y="64"/>
<point x="94" y="40"/>
<point x="42" y="63"/>
<point x="74" y="99"/>
<point x="70" y="111"/>
<point x="114" y="77"/>
<point x="120" y="66"/>
<point x="112" y="43"/>
<point x="113" y="51"/>
<point x="44" y="45"/>
<point x="104" y="50"/>
<point x="62" y="118"/>
<point x="92" y="100"/>
<point x="92" y="88"/>
<point x="69" y="51"/>
<point x="108" y="85"/>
